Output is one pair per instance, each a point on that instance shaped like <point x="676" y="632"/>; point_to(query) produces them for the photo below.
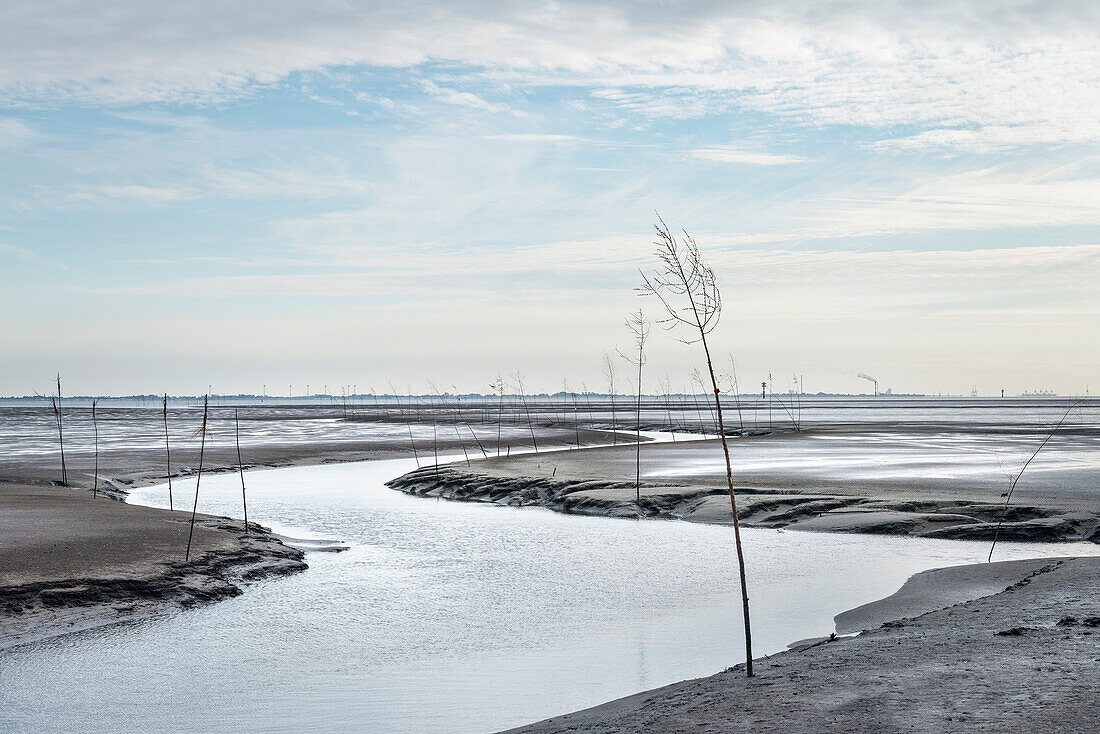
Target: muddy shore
<point x="943" y="654"/>
<point x="600" y="481"/>
<point x="70" y="562"/>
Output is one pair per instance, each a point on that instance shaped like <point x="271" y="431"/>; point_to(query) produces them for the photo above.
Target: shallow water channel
<point x="449" y="617"/>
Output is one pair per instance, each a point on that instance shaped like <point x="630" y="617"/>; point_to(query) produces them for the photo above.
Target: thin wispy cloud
<point x="536" y="138"/>
<point x="731" y="154"/>
<point x="14" y="132"/>
<point x="25" y="255"/>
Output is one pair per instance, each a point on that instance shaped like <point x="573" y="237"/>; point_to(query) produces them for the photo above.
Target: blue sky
<point x="353" y="193"/>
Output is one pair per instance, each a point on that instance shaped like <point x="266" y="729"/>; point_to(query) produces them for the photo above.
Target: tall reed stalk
<point x="1016" y="480"/>
<point x="609" y="373"/>
<point x="167" y="451"/>
<point x="198" y="478"/>
<point x="95" y="428"/>
<point x="435" y="434"/>
<point x="666" y="389"/>
<point x="688" y="290"/>
<point x="576" y="417"/>
<point x="639" y="328"/>
<point x="408" y="424"/>
<point x="460" y="417"/>
<point x="517" y="376"/>
<point x="454" y="411"/>
<point x="60" y="419"/>
<point x="736" y="392"/>
<point x="498" y="387"/>
<point x="240" y="467"/>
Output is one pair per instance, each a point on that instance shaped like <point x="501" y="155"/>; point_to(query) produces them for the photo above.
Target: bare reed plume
<point x="609" y="373"/>
<point x="167" y="451"/>
<point x="666" y="390"/>
<point x="688" y="291"/>
<point x="240" y="466"/>
<point x="639" y="327"/>
<point x="198" y="478"/>
<point x="697" y="379"/>
<point x="736" y="392"/>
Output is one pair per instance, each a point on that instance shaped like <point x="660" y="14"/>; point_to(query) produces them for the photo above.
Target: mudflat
<point x="1024" y="659"/>
<point x="68" y="561"/>
<point x="823" y="479"/>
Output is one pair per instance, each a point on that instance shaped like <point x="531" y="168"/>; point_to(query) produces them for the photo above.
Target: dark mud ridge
<point x="767" y="508"/>
<point x="49" y="608"/>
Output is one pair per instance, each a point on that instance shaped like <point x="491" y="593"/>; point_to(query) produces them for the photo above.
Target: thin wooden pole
<point x="408" y="425"/>
<point x="576" y="419"/>
<point x="240" y="466"/>
<point x="60" y="432"/>
<point x="198" y="479"/>
<point x="638" y="436"/>
<point x="435" y="435"/>
<point x="1016" y="480"/>
<point x="500" y="410"/>
<point x="733" y="507"/>
<point x="95" y="427"/>
<point x="168" y="453"/>
<point x="526" y="410"/>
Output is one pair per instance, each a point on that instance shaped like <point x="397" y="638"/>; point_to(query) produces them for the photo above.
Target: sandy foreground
<point x="69" y="562"/>
<point x="940" y="655"/>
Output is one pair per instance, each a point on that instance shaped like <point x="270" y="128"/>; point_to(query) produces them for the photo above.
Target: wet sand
<point x="686" y="481"/>
<point x="69" y="562"/>
<point x="1025" y="658"/>
<point x="132" y="451"/>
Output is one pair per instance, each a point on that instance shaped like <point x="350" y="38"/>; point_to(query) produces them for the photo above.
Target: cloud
<point x="14" y="132"/>
<point x="1036" y="286"/>
<point x="31" y="257"/>
<point x="998" y="74"/>
<point x="984" y="199"/>
<point x="536" y="138"/>
<point x="730" y="154"/>
<point x="993" y="138"/>
<point x="462" y="99"/>
<point x="96" y="195"/>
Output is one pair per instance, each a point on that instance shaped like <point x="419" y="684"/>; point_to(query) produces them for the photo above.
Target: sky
<point x="257" y="193"/>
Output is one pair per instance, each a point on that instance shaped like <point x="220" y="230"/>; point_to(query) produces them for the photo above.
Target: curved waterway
<point x="449" y="617"/>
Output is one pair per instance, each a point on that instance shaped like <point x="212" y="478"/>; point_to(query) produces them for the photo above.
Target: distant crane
<point x="870" y="379"/>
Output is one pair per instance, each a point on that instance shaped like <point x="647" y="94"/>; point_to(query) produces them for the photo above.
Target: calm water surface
<point x="449" y="617"/>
